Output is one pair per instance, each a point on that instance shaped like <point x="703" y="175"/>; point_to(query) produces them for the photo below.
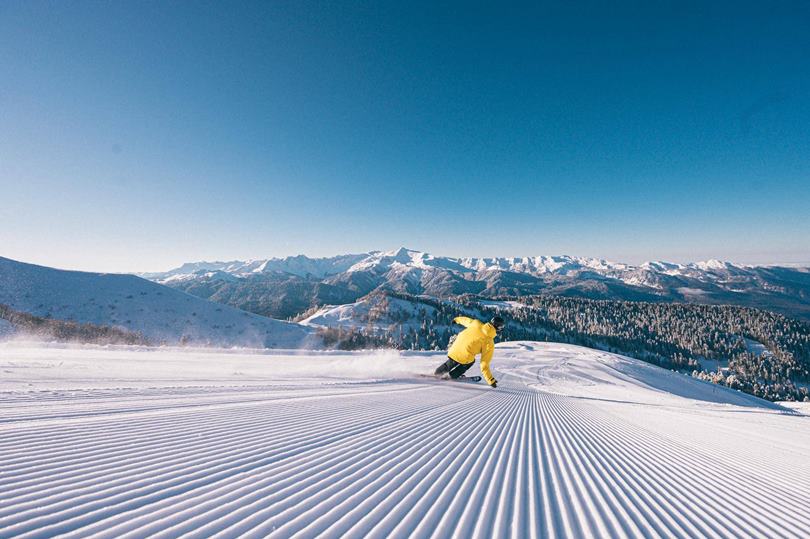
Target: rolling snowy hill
<point x="574" y="443"/>
<point x="159" y="313"/>
<point x="375" y="312"/>
<point x="346" y="278"/>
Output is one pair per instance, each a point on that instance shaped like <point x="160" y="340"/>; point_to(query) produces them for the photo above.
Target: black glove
<point x="494" y="384"/>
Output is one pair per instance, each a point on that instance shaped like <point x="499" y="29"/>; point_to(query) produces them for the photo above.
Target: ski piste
<point x="576" y="443"/>
<point x="468" y="379"/>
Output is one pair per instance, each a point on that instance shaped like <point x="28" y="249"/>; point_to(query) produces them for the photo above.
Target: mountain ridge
<point x="416" y="258"/>
<point x="348" y="277"/>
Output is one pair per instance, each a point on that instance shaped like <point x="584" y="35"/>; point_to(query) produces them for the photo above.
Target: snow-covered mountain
<point x="300" y="265"/>
<point x="159" y="313"/>
<point x="404" y="259"/>
<point x="303" y="281"/>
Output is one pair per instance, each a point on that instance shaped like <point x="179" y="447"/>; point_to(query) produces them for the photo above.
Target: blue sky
<point x="138" y="135"/>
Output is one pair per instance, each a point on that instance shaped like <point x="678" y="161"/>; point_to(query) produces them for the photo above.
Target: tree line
<point x="718" y="343"/>
<point x="49" y="329"/>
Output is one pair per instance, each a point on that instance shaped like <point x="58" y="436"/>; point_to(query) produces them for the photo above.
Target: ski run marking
<point x="405" y="457"/>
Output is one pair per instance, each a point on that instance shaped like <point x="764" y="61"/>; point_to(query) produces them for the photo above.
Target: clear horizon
<point x="138" y="137"/>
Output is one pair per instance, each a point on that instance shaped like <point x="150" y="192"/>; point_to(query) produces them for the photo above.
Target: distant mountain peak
<point x="714" y="264"/>
<point x="660" y="266"/>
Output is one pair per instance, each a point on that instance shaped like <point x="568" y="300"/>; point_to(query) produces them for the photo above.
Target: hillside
<point x="756" y="351"/>
<point x="573" y="443"/>
<point x="159" y="313"/>
<point x="306" y="282"/>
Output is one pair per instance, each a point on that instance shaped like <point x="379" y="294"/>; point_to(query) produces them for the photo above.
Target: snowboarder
<point x="477" y="338"/>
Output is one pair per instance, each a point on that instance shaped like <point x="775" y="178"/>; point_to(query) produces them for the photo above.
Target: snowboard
<point x="468" y="379"/>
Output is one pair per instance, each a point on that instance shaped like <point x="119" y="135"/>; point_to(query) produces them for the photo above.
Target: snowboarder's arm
<point x="486" y="357"/>
<point x="463" y="320"/>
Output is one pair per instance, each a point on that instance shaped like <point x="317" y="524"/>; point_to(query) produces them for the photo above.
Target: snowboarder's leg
<point x="445" y="367"/>
<point x="452" y="368"/>
<point x="459" y="369"/>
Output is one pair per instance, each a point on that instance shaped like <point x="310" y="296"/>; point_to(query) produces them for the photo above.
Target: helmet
<point x="497" y="322"/>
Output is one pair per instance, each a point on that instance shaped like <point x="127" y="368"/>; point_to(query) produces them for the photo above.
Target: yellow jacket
<point x="478" y="338"/>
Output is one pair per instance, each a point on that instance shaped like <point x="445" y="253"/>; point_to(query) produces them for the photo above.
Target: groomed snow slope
<point x="578" y="443"/>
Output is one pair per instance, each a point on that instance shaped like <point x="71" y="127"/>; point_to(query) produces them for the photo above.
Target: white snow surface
<point x="127" y="442"/>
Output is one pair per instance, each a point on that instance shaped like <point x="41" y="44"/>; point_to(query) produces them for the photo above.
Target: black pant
<point x="453" y="368"/>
